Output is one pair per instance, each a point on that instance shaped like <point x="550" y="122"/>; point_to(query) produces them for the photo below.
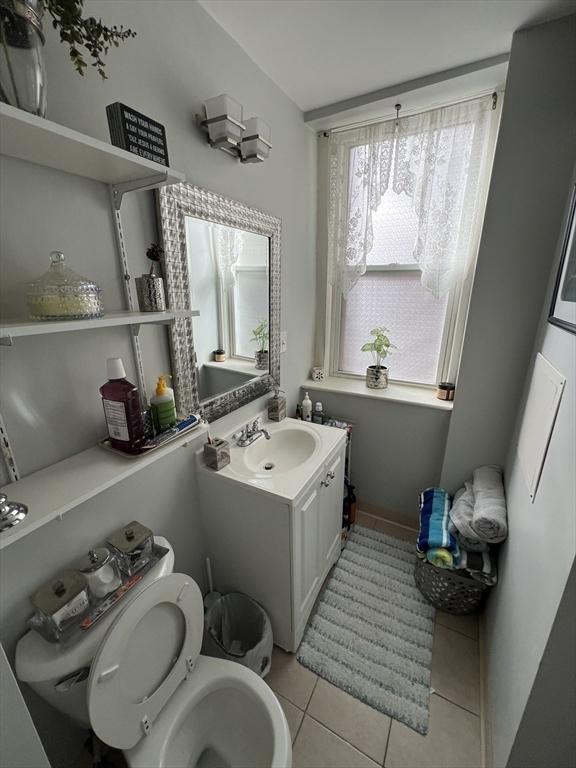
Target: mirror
<point x="222" y="259"/>
<point x="228" y="270"/>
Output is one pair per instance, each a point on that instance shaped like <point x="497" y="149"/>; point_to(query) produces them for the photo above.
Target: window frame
<point x="228" y="323"/>
<point x="330" y="301"/>
<point x="452" y="333"/>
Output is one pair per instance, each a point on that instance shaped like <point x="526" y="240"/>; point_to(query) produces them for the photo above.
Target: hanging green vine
<point x="88" y="33"/>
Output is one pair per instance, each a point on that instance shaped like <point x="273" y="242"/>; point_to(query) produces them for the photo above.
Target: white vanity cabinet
<point x="316" y="536"/>
<point x="277" y="550"/>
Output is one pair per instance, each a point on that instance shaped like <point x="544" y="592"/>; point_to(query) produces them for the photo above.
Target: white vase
<point x="377" y="377"/>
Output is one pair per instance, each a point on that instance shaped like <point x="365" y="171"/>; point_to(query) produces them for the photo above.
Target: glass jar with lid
<point x="61" y="294"/>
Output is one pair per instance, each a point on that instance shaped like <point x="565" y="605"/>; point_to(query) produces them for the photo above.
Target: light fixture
<point x="250" y="141"/>
<point x="255" y="146"/>
<point x="224" y="123"/>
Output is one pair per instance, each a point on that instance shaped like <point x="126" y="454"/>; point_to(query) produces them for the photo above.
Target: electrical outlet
<point x="283" y="341"/>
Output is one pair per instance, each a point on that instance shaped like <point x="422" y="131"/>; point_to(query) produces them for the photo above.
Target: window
<point x="248" y="297"/>
<point x="405" y="208"/>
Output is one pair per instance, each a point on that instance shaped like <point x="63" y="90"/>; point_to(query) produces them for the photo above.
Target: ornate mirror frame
<point x="175" y="202"/>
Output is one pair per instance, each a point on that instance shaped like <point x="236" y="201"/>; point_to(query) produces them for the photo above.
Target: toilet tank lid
<point x="38" y="661"/>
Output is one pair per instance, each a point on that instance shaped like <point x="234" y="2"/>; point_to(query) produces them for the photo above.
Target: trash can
<point x="238" y="629"/>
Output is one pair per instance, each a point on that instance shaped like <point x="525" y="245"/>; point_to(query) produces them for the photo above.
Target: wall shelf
<point x="12" y="329"/>
<point x="37" y="140"/>
<point x="52" y="492"/>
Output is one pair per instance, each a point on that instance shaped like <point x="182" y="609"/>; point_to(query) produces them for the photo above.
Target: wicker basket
<point x="447" y="590"/>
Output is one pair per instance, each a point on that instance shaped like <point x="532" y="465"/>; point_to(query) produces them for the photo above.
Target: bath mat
<point x="371" y="632"/>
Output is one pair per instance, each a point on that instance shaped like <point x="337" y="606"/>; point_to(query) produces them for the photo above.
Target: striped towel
<point x="434" y="521"/>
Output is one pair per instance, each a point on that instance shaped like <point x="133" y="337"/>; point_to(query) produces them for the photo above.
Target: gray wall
<point x="534" y="564"/>
<point x="530" y="178"/>
<point x="50" y="386"/>
<point x="180" y="58"/>
<point x="547" y="733"/>
<point x="23" y="749"/>
<point x="517" y="267"/>
<point x="397" y="450"/>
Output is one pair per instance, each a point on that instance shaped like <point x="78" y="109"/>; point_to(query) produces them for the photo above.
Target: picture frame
<point x="563" y="307"/>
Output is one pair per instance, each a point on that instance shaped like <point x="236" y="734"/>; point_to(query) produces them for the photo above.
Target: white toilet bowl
<point x="143" y="687"/>
<point x="224" y="716"/>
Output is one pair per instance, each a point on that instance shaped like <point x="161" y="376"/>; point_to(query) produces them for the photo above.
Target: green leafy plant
<point x="88" y="33"/>
<point x="261" y="335"/>
<point x="381" y="345"/>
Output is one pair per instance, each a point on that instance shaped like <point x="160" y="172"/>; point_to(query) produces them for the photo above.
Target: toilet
<point x="139" y="681"/>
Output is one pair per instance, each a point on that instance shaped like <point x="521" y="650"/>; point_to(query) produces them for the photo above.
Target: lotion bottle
<point x="163" y="406"/>
<point x="307" y="408"/>
<point x="122" y="410"/>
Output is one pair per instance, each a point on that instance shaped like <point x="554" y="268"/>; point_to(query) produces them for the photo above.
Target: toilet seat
<point x="148" y="651"/>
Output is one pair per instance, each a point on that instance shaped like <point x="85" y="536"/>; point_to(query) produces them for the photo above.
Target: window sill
<point x="396" y="393"/>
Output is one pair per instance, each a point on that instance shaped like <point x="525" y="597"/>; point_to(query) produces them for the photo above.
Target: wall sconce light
<point x="255" y="146"/>
<point x="249" y="141"/>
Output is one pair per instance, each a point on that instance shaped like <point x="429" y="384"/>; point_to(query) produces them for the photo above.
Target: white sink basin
<point x="285" y="463"/>
<point x="287" y="449"/>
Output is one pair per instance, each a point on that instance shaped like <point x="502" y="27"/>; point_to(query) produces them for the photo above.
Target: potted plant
<point x="260" y="336"/>
<point x="377" y="374"/>
<point x="22" y="69"/>
<point x="150" y="287"/>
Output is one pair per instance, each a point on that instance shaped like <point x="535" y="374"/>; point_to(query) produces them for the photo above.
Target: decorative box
<point x="217" y="454"/>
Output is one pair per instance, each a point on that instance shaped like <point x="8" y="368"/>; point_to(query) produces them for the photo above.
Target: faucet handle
<point x="256" y="424"/>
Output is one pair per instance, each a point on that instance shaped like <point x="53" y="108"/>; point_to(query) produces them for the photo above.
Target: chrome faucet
<point x="250" y="433"/>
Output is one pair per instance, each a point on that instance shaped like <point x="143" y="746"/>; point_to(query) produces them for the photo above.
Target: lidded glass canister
<point x="100" y="569"/>
<point x="132" y="546"/>
<point x="61" y="294"/>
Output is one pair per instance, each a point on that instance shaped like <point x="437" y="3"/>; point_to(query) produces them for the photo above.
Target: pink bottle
<point x="122" y="410"/>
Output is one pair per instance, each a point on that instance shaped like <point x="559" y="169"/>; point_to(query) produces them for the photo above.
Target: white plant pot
<point x="377" y="377"/>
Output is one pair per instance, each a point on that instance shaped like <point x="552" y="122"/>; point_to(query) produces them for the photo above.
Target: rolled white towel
<point x="489" y="519"/>
<point x="462" y="511"/>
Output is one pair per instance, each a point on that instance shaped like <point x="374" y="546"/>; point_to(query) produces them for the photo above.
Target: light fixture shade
<point x="224" y="120"/>
<point x="256" y="144"/>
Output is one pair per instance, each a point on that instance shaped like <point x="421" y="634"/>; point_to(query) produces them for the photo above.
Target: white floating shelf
<point x="56" y="490"/>
<point x="37" y="140"/>
<point x="11" y="329"/>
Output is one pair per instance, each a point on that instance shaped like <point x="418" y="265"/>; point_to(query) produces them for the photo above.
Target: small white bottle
<point x="307" y="408"/>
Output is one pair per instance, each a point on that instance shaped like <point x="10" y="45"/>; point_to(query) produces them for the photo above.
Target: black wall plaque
<point x="136" y="133"/>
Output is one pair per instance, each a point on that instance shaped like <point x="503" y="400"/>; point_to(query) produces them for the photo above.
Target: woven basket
<point x="447" y="590"/>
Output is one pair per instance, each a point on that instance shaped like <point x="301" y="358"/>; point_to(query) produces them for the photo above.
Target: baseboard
<point x="485" y="740"/>
<point x="387" y="514"/>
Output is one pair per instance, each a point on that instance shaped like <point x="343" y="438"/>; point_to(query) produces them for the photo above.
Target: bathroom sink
<point x="285" y="463"/>
<point x="287" y="449"/>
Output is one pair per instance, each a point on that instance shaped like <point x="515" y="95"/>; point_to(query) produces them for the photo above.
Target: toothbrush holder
<point x="217" y="454"/>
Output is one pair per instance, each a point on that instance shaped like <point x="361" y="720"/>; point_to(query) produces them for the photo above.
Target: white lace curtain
<point x="438" y="159"/>
<point x="228" y="244"/>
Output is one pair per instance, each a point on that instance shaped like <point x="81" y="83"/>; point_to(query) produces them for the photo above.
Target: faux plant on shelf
<point x="380" y="346"/>
<point x="155" y="253"/>
<point x="22" y="69"/>
<point x="260" y="335"/>
<point x="88" y="33"/>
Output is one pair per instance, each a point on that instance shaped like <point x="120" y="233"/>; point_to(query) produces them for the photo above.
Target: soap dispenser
<point x="307" y="408"/>
<point x="277" y="406"/>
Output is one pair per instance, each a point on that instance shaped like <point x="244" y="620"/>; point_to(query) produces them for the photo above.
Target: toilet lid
<point x="148" y="651"/>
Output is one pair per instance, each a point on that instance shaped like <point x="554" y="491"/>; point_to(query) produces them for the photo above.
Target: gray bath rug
<point x="371" y="632"/>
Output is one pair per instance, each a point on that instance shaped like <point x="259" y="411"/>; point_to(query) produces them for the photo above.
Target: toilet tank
<point x="59" y="673"/>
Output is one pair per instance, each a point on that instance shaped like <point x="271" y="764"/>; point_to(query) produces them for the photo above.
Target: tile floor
<point x="331" y="729"/>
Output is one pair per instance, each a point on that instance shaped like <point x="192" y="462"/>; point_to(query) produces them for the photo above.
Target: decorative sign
<point x="136" y="133"/>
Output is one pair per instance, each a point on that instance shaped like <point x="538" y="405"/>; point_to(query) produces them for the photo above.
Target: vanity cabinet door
<point x="306" y="550"/>
<point x="331" y="512"/>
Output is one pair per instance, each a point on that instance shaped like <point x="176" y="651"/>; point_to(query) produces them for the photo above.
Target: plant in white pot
<point x="260" y="335"/>
<point x="380" y="346"/>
